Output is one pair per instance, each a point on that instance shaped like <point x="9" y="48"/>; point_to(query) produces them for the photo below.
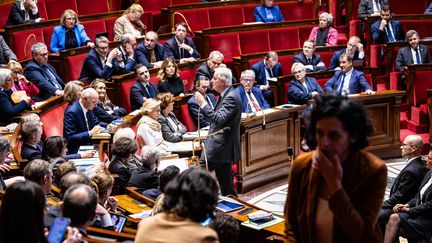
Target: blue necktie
<point x="417" y="51"/>
<point x="389" y="33"/>
<point x="342" y="81"/>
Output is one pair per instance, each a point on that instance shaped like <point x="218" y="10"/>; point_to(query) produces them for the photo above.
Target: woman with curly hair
<point x="169" y="79"/>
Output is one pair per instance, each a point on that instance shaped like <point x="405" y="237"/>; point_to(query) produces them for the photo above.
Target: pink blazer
<point x="332" y="36"/>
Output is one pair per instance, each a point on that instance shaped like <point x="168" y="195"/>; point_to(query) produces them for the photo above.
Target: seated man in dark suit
<point x="348" y="80"/>
<point x="42" y="74"/>
<point x="267" y="69"/>
<point x="415" y="53"/>
<point x="102" y="63"/>
<point x="39" y="171"/>
<point x="201" y="85"/>
<point x="80" y="124"/>
<point x="428" y="10"/>
<point x="32" y="146"/>
<point x="23" y="12"/>
<point x="150" y="53"/>
<point x="207" y="68"/>
<point x="251" y="97"/>
<point x="355" y="49"/>
<point x="146" y="176"/>
<point x="180" y="47"/>
<point x="311" y="60"/>
<point x="6" y="54"/>
<point x="408" y="181"/>
<point x="302" y="88"/>
<point x="142" y="89"/>
<point x="368" y="8"/>
<point x="387" y="30"/>
<point x="127" y="48"/>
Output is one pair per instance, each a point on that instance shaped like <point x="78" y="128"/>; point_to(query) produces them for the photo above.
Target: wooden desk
<point x="264" y="156"/>
<point x="133" y="202"/>
<point x="384" y="112"/>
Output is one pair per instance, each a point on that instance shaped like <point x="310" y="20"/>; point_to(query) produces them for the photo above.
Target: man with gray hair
<point x="39" y="171"/>
<point x="146" y="176"/>
<point x="127" y="49"/>
<point x="42" y="74"/>
<point x="102" y="63"/>
<point x="31" y="133"/>
<point x="80" y="124"/>
<point x="223" y="148"/>
<point x="265" y="71"/>
<point x="414" y="53"/>
<point x="251" y="97"/>
<point x="207" y="68"/>
<point x="150" y="53"/>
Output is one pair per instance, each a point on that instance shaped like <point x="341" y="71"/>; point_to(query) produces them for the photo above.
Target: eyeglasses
<point x="298" y="71"/>
<point x="70" y="19"/>
<point x="405" y="145"/>
<point x="248" y="80"/>
<point x="103" y="48"/>
<point x="43" y="54"/>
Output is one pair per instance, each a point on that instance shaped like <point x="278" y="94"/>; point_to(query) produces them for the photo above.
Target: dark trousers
<point x="268" y="95"/>
<point x="225" y="178"/>
<point x="383" y="218"/>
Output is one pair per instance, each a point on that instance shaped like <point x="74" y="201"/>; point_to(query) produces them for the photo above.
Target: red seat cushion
<point x="228" y="44"/>
<point x="284" y="38"/>
<point x="109" y="25"/>
<point x="42" y="9"/>
<point x="126" y="87"/>
<point x="198" y="19"/>
<point x="75" y="64"/>
<point x="86" y="7"/>
<point x="304" y="32"/>
<point x="94" y="27"/>
<point x="147" y="19"/>
<point x="19" y="40"/>
<point x="254" y="41"/>
<point x="226" y="16"/>
<point x="326" y="57"/>
<point x="47" y="35"/>
<point x="53" y="121"/>
<point x="422" y="82"/>
<point x="177" y="2"/>
<point x="186" y="118"/>
<point x="401" y="7"/>
<point x="248" y="12"/>
<point x="55" y="8"/>
<point x="188" y="77"/>
<point x="5" y="9"/>
<point x="297" y="11"/>
<point x="154" y="5"/>
<point x="286" y="62"/>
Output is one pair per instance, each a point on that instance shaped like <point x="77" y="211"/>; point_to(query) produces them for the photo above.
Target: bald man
<point x="408" y="181"/>
<point x="150" y="53"/>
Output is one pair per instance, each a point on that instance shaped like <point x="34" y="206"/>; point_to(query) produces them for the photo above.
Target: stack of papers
<point x="261" y="225"/>
<point x="183" y="146"/>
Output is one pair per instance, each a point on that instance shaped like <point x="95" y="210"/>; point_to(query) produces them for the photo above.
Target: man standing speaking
<point x="223" y="148"/>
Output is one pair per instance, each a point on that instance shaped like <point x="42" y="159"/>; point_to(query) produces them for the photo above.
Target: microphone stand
<point x="194" y="160"/>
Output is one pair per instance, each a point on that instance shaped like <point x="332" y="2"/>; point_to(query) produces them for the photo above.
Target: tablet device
<point x="118" y="221"/>
<point x="228" y="206"/>
<point x="58" y="229"/>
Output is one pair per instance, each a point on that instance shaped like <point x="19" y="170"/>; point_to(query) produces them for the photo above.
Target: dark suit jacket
<point x="8" y="109"/>
<point x="357" y="82"/>
<point x="225" y="147"/>
<point x="406" y="183"/>
<point x="17" y="16"/>
<point x="143" y="178"/>
<point x="93" y="68"/>
<point x="405" y="58"/>
<point x="172" y="49"/>
<point x="103" y="116"/>
<point x="37" y="75"/>
<point x="260" y="75"/>
<point x="316" y="58"/>
<point x="138" y="93"/>
<point x="30" y="153"/>
<point x="6" y="54"/>
<point x="429" y="9"/>
<point x="169" y="132"/>
<point x="335" y="59"/>
<point x="203" y="70"/>
<point x="246" y="106"/>
<point x="194" y="107"/>
<point x="142" y="54"/>
<point x="365" y="8"/>
<point x="380" y="36"/>
<point x="75" y="129"/>
<point x="124" y="172"/>
<point x="129" y="63"/>
<point x="261" y="16"/>
<point x="298" y="94"/>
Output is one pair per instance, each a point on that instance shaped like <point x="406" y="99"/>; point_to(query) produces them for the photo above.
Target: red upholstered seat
<point x="284" y="38"/>
<point x="226" y="16"/>
<point x="154" y="80"/>
<point x="248" y="12"/>
<point x="147" y="19"/>
<point x="395" y="82"/>
<point x="19" y="40"/>
<point x="186" y="118"/>
<point x="286" y="62"/>
<point x="47" y="35"/>
<point x="326" y="57"/>
<point x="304" y="32"/>
<point x="375" y="55"/>
<point x="228" y="44"/>
<point x="188" y="77"/>
<point x="42" y="9"/>
<point x="401" y="7"/>
<point x="322" y="82"/>
<point x="422" y="82"/>
<point x="254" y="41"/>
<point x="297" y="11"/>
<point x="86" y="7"/>
<point x="177" y="2"/>
<point x="253" y="61"/>
<point x="198" y="19"/>
<point x="75" y="64"/>
<point x="154" y="5"/>
<point x="354" y="27"/>
<point x="421" y="26"/>
<point x="53" y="121"/>
<point x="55" y="8"/>
<point x="126" y="88"/>
<point x="5" y="9"/>
<point x="93" y="27"/>
<point x="109" y="26"/>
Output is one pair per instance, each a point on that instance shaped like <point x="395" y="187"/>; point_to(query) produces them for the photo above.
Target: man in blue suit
<point x="42" y="74"/>
<point x="201" y="85"/>
<point x="387" y="30"/>
<point x="142" y="89"/>
<point x="348" y="80"/>
<point x="302" y="88"/>
<point x="355" y="49"/>
<point x="80" y="124"/>
<point x="102" y="63"/>
<point x="311" y="60"/>
<point x="150" y="53"/>
<point x="180" y="47"/>
<point x="267" y="70"/>
<point x="32" y="146"/>
<point x="251" y="97"/>
<point x="268" y="13"/>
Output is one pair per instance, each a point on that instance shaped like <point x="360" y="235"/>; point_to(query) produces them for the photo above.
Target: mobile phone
<point x="245" y="211"/>
<point x="58" y="229"/>
<point x="290" y="151"/>
<point x="118" y="221"/>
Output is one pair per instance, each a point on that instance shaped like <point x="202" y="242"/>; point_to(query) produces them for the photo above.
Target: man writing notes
<point x="222" y="149"/>
<point x="251" y="97"/>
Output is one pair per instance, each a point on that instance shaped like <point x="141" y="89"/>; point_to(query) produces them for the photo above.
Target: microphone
<point x="290" y="155"/>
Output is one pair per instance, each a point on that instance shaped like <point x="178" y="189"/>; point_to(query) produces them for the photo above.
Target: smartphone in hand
<point x="58" y="230"/>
